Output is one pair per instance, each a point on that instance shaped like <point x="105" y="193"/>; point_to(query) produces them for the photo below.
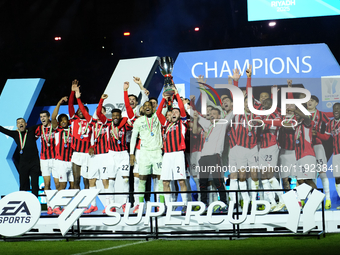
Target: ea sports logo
<point x="19" y="212"/>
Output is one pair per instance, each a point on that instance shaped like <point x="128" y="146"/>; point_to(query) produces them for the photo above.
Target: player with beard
<point x="173" y="165"/>
<point x="29" y="163"/>
<point x="81" y="132"/>
<point x="47" y="153"/>
<point x="118" y="149"/>
<point x="150" y="158"/>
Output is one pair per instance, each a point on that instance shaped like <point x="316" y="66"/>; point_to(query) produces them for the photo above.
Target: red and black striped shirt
<point x="319" y="118"/>
<point x="63" y="137"/>
<point x="333" y="128"/>
<point x="304" y="136"/>
<point x="268" y="134"/>
<point x="241" y="134"/>
<point x="46" y="135"/>
<point x="196" y="141"/>
<point x="100" y="133"/>
<point x="286" y="135"/>
<point x="81" y="134"/>
<point x="174" y="136"/>
<point x="117" y="140"/>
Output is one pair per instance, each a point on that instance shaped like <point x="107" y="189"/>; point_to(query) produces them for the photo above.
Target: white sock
<point x="274" y="183"/>
<point x="108" y="198"/>
<point x="47" y="201"/>
<point x="135" y="186"/>
<point x="112" y="189"/>
<point x="94" y="201"/>
<point x="197" y="187"/>
<point x="267" y="194"/>
<point x="337" y="186"/>
<point x="233" y="186"/>
<point x="325" y="185"/>
<point x="245" y="195"/>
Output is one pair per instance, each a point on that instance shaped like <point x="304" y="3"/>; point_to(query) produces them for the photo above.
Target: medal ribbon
<point x="209" y="131"/>
<point x="169" y="127"/>
<point x="97" y="133"/>
<point x="115" y="135"/>
<point x="298" y="132"/>
<point x="49" y="135"/>
<point x="251" y="117"/>
<point x="336" y="125"/>
<point x="147" y="120"/>
<point x="22" y="143"/>
<point x="80" y="128"/>
<point x="289" y="119"/>
<point x="64" y="136"/>
<point x="314" y="115"/>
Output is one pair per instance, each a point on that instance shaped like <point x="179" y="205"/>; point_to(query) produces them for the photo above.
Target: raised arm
<point x="101" y="116"/>
<point x="302" y="115"/>
<point x="290" y="85"/>
<point x="195" y="128"/>
<point x="8" y="132"/>
<point x="55" y="112"/>
<point x="128" y="107"/>
<point x="248" y="72"/>
<point x="71" y="110"/>
<point x="159" y="113"/>
<point x="145" y="92"/>
<point x="87" y="116"/>
<point x="180" y="104"/>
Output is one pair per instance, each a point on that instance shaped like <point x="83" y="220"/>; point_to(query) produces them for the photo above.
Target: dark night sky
<point x="28" y="28"/>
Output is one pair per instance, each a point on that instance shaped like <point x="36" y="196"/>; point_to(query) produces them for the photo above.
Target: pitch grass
<point x="254" y="245"/>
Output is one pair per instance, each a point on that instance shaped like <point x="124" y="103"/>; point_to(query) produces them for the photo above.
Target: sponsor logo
<point x="76" y="201"/>
<point x="19" y="212"/>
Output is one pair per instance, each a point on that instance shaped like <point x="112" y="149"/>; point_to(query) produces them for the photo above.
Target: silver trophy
<point x="166" y="66"/>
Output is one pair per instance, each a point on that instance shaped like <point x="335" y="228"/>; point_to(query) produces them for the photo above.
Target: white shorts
<point x="173" y="166"/>
<point x="287" y="161"/>
<point x="64" y="169"/>
<point x="150" y="162"/>
<point x="98" y="166"/>
<point x="194" y="158"/>
<point x="242" y="158"/>
<point x="336" y="165"/>
<point x="268" y="156"/>
<point x="48" y="168"/>
<point x="306" y="168"/>
<point x="81" y="159"/>
<point x="119" y="161"/>
<point x="320" y="155"/>
<point x="136" y="167"/>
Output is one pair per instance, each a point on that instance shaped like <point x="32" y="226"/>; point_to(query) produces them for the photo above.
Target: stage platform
<point x="96" y="225"/>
